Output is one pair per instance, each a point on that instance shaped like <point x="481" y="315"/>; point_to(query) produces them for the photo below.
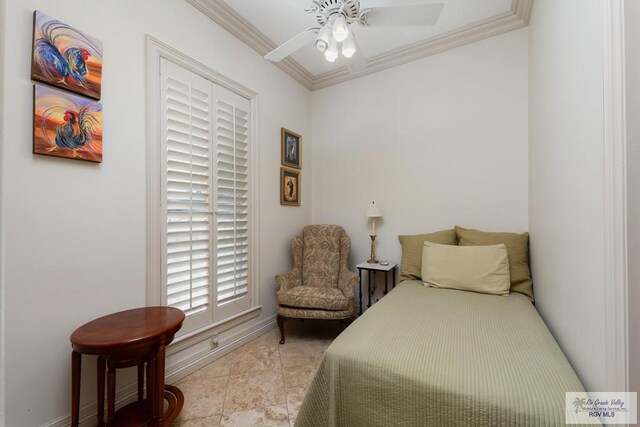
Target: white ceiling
<point x="282" y="19"/>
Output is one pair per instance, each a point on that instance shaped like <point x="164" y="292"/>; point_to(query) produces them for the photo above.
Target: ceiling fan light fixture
<point x="324" y="38"/>
<point x="331" y="54"/>
<point x="349" y="46"/>
<point x="340" y="28"/>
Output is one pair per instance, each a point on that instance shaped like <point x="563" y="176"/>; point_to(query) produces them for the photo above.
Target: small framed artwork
<point x="65" y="57"/>
<point x="289" y="187"/>
<point x="291" y="148"/>
<point x="66" y="125"/>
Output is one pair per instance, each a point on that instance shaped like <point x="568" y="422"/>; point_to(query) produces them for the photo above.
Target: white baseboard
<point x="176" y="371"/>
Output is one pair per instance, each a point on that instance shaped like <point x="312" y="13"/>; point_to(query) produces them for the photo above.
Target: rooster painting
<point x="65" y="57"/>
<point x="66" y="125"/>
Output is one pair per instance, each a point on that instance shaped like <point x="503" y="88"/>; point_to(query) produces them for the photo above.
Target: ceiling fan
<point x="336" y="16"/>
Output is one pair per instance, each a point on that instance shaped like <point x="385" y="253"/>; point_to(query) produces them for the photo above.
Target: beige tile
<point x="254" y="359"/>
<point x="269" y="339"/>
<point x="199" y="422"/>
<point x="273" y="416"/>
<point x="203" y="397"/>
<point x="302" y="353"/>
<point x="299" y="375"/>
<point x="217" y="368"/>
<point x="254" y="390"/>
<point x="297" y="381"/>
<point x="293" y="409"/>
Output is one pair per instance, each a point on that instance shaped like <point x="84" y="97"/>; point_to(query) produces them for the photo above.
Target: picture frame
<point x="291" y="149"/>
<point x="290" y="193"/>
<point x="66" y="125"/>
<point x="65" y="57"/>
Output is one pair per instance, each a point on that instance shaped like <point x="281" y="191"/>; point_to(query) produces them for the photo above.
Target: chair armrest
<point x="348" y="279"/>
<point x="289" y="280"/>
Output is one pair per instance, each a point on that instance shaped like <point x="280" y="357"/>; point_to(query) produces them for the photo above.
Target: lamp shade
<point x="340" y="28"/>
<point x="349" y="45"/>
<point x="373" y="211"/>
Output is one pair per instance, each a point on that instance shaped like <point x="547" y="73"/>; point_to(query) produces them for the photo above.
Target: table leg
<point x="393" y="281"/>
<point x="76" y="365"/>
<point x="386" y="277"/>
<point x="101" y="374"/>
<point x="111" y="390"/>
<point x="160" y="383"/>
<point x="371" y="274"/>
<point x="151" y="386"/>
<point x="140" y="380"/>
<point x="360" y="285"/>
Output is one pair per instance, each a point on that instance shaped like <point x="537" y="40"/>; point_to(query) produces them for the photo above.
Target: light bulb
<point x="321" y="45"/>
<point x="340" y="28"/>
<point x="331" y="54"/>
<point x="349" y="46"/>
<point x="324" y="38"/>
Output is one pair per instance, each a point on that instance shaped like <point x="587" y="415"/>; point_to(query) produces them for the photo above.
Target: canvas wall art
<point x="289" y="187"/>
<point x="65" y="57"/>
<point x="66" y="125"/>
<point x="290" y="147"/>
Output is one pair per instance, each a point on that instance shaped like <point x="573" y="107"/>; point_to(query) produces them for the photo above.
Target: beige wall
<point x="566" y="179"/>
<point x="74" y="232"/>
<point x="2" y="140"/>
<point x="436" y="142"/>
<point x="632" y="39"/>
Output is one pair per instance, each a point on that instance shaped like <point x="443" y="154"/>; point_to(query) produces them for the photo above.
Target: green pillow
<point x="411" y="264"/>
<point x="517" y="250"/>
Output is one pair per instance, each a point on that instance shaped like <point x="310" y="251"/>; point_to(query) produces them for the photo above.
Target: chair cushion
<point x="314" y="297"/>
<point x="321" y="255"/>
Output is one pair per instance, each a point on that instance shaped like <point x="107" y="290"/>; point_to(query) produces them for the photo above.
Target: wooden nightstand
<point x="372" y="269"/>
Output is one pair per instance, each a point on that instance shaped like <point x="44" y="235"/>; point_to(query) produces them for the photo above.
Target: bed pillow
<point x="411" y="263"/>
<point x="517" y="247"/>
<point x="483" y="269"/>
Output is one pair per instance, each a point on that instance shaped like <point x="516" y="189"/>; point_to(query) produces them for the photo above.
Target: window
<point x="205" y="221"/>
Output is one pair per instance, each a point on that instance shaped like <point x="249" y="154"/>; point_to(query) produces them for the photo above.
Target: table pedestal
<point x="130" y="338"/>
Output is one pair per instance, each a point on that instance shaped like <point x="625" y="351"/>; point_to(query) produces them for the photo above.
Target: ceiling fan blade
<point x="357" y="62"/>
<point x="292" y="45"/>
<point x="414" y="15"/>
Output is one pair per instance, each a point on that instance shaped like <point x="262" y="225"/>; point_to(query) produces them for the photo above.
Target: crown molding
<point x="233" y="22"/>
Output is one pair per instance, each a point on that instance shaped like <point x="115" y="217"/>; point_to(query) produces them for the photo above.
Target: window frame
<point x="156" y="50"/>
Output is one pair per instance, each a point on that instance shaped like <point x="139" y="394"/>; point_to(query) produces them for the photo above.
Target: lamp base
<point x="373" y="259"/>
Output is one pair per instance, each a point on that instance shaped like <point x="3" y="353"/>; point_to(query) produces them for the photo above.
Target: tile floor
<point x="261" y="383"/>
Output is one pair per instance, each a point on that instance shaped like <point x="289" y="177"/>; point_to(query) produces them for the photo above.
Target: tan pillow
<point x="411" y="263"/>
<point x="483" y="269"/>
<point x="517" y="247"/>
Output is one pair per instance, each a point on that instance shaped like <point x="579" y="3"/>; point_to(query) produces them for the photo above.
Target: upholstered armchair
<point x="320" y="286"/>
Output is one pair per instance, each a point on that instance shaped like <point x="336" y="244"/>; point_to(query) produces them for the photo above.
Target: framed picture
<point x="289" y="187"/>
<point x="66" y="125"/>
<point x="291" y="148"/>
<point x="65" y="57"/>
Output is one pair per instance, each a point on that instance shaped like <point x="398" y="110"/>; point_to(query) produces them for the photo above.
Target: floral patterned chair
<point x="320" y="286"/>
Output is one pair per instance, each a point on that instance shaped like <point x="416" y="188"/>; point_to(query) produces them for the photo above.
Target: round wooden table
<point x="135" y="337"/>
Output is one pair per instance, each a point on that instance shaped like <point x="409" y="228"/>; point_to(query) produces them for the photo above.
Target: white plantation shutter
<point x="232" y="195"/>
<point x="205" y="197"/>
<point x="187" y="193"/>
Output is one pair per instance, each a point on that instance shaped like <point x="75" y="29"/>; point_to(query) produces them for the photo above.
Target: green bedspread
<point x="438" y="357"/>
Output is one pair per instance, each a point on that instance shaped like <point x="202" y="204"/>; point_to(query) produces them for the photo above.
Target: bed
<point x="426" y="356"/>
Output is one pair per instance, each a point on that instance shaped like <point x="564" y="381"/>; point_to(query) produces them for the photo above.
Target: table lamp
<point x="373" y="212"/>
